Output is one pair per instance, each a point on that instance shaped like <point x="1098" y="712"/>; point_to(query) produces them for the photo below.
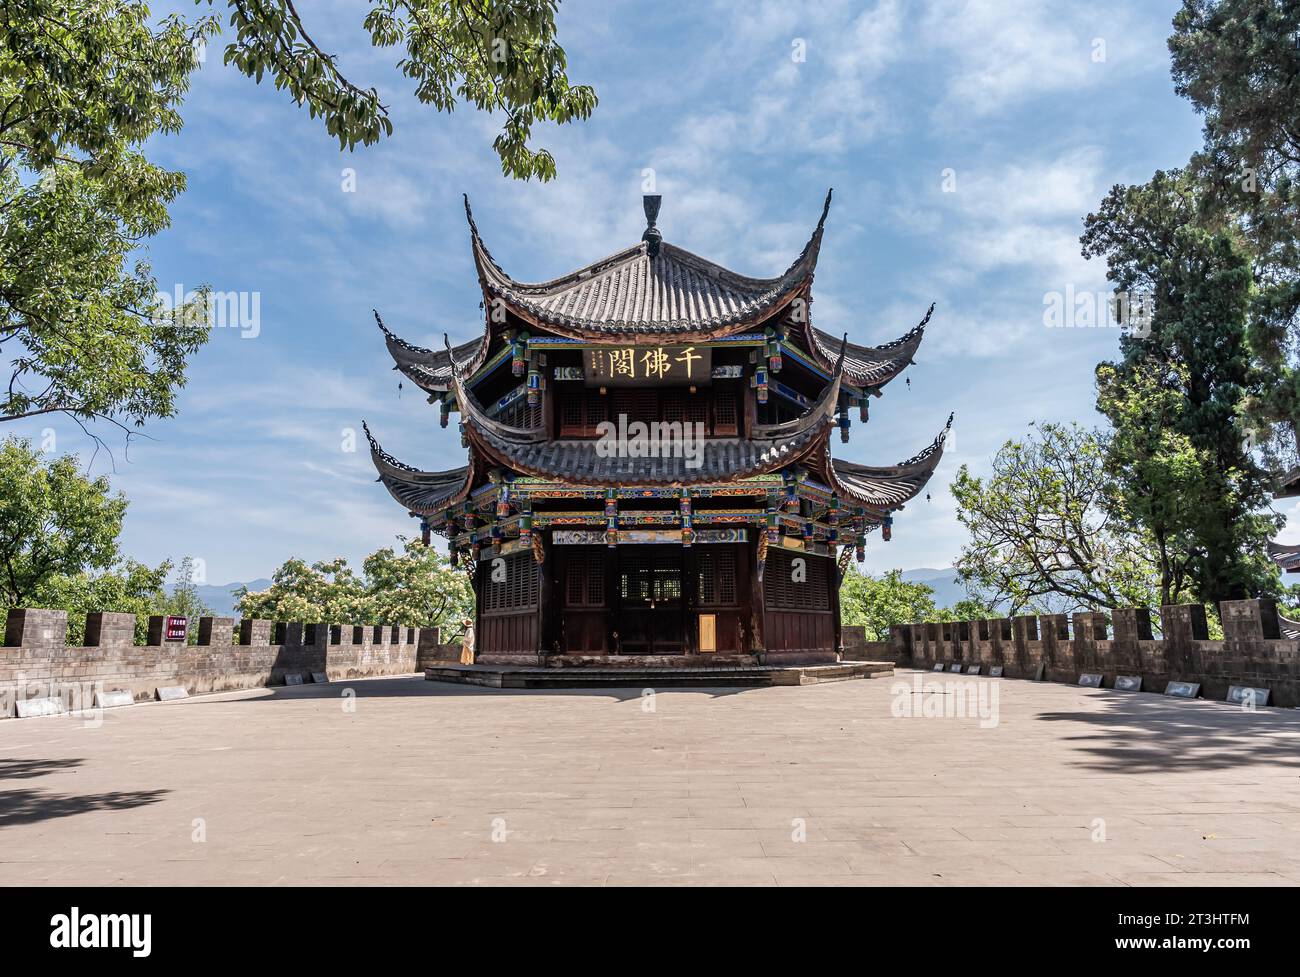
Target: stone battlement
<point x="1062" y="647"/>
<point x="36" y="660"/>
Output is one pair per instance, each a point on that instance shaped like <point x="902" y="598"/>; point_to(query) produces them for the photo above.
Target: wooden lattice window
<point x="646" y="577"/>
<point x="584" y="583"/>
<point x="522" y="414"/>
<point x="717" y="583"/>
<point x="674" y="407"/>
<point x="581" y="412"/>
<point x="635" y="577"/>
<point x="783" y="592"/>
<point x="726" y="419"/>
<point x="697" y="410"/>
<point x="571" y="414"/>
<point x="638" y="405"/>
<point x="518" y="591"/>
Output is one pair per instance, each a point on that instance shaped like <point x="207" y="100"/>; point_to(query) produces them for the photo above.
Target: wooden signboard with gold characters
<point x="628" y="366"/>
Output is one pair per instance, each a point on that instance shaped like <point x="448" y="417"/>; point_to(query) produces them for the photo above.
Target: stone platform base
<point x="660" y="675"/>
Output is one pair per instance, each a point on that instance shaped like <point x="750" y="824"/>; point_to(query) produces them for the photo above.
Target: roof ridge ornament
<point x="377" y="450"/>
<point x="469" y="215"/>
<point x="652" y="238"/>
<point x="451" y="355"/>
<point x="928" y="451"/>
<point x="912" y="333"/>
<point x="826" y="208"/>
<point x="395" y="340"/>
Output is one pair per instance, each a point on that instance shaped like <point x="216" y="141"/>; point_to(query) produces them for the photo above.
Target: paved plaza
<point x="400" y="781"/>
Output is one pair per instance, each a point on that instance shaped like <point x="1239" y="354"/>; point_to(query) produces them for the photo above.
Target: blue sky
<point x="744" y="140"/>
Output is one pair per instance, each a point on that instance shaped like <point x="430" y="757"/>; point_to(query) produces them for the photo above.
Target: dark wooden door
<point x="649" y="617"/>
<point x="583" y="590"/>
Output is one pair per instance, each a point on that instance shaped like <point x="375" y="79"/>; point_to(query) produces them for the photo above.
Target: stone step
<point x="737" y="676"/>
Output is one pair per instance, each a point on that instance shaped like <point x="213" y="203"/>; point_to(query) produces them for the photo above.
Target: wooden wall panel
<point x="509" y="634"/>
<point x="799" y="631"/>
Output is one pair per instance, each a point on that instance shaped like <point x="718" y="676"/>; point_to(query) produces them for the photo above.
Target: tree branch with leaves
<point x="1045" y="535"/>
<point x="501" y="56"/>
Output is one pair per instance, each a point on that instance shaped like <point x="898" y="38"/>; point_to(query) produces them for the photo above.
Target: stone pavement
<point x="712" y="786"/>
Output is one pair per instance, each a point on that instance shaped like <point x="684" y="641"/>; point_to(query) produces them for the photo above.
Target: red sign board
<point x="177" y="628"/>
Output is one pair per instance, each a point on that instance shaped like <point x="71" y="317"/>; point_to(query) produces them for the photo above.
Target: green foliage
<point x="1156" y="472"/>
<point x="1045" y="533"/>
<point x="418" y="588"/>
<point x="970" y="609"/>
<point x="83" y="84"/>
<point x="59" y="547"/>
<point x="878" y="602"/>
<point x="1288" y="602"/>
<point x="1238" y="61"/>
<point x="128" y="588"/>
<point x="415" y="588"/>
<point x="498" y="56"/>
<point x="56" y="522"/>
<point x="1182" y="467"/>
<point x="326" y="591"/>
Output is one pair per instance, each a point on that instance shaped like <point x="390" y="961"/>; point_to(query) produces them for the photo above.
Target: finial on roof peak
<point x="652" y="237"/>
<point x="826" y="207"/>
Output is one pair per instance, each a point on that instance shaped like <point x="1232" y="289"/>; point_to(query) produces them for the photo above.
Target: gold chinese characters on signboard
<point x="617" y="366"/>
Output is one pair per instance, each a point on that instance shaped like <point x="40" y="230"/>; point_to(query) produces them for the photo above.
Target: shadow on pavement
<point x="25" y="769"/>
<point x="1143" y="734"/>
<point x="415" y="686"/>
<point x="31" y="806"/>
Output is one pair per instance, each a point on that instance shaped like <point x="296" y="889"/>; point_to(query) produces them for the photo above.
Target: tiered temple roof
<point x="635" y="297"/>
<point x="648" y="291"/>
<point x="1286" y="557"/>
<point x="653" y="293"/>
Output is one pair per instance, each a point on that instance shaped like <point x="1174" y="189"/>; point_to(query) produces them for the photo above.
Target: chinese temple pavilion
<point x="649" y="465"/>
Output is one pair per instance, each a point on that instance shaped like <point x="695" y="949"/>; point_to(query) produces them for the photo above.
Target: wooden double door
<point x="649" y="613"/>
<point x="644" y="599"/>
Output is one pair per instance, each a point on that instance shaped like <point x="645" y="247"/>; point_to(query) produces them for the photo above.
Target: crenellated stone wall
<point x="1060" y="649"/>
<point x="37" y="662"/>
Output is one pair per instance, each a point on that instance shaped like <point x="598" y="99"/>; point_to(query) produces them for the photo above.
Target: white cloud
<point x="1004" y="52"/>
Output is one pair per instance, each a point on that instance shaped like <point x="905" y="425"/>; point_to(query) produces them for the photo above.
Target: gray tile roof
<point x="1289" y="629"/>
<point x="892" y="485"/>
<point x="421" y="492"/>
<point x="771" y="446"/>
<point x="631" y="293"/>
<point x="580" y="462"/>
<point x="1287" y="557"/>
<point x="871" y="366"/>
<point x="426" y="368"/>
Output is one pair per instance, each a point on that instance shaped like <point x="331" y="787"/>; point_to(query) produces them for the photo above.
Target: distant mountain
<point x="947" y="591"/>
<point x="221" y="597"/>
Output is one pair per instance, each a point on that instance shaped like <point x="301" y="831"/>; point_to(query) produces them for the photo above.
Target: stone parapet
<point x="36" y="660"/>
<point x="1121" y="642"/>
